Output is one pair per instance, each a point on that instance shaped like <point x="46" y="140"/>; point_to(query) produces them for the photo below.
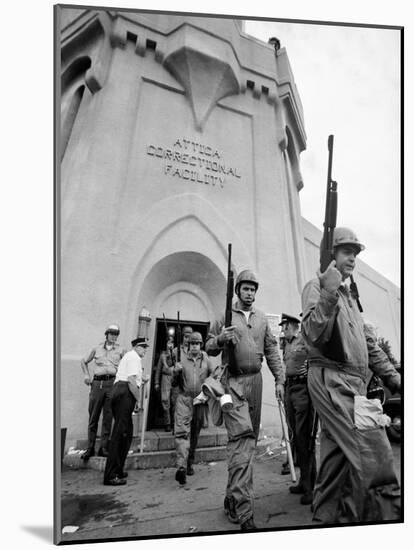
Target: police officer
<point x="356" y="478"/>
<point x="128" y="382"/>
<point x="106" y="356"/>
<point x="193" y="369"/>
<point x="249" y="339"/>
<point x="299" y="408"/>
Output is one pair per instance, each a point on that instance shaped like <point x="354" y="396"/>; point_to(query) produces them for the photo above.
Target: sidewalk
<point x="153" y="503"/>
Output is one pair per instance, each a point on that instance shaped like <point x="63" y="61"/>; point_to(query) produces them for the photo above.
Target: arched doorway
<point x="185" y="282"/>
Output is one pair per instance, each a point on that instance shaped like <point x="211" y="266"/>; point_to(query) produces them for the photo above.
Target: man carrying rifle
<point x="299" y="409"/>
<point x="163" y="383"/>
<point x="245" y="342"/>
<point x="356" y="479"/>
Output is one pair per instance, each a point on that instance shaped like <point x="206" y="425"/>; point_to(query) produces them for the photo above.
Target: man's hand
<point x="157" y="387"/>
<point x="145" y="378"/>
<point x="280" y="391"/>
<point x="87" y="380"/>
<point x="228" y="334"/>
<point x="178" y="368"/>
<point x="330" y="279"/>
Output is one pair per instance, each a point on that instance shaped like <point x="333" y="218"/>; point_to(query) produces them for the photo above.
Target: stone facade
<point x="178" y="136"/>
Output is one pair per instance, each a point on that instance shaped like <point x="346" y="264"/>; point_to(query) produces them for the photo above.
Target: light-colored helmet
<point x="112" y="328"/>
<point x="246" y="276"/>
<point x="187" y="330"/>
<point x="196" y="338"/>
<point x="344" y="235"/>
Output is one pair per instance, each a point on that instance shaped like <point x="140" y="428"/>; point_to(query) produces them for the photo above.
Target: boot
<point x="248" y="525"/>
<point x="88" y="453"/>
<point x="190" y="469"/>
<point x="180" y="475"/>
<point x="297" y="489"/>
<point x="230" y="510"/>
<point x="306" y="498"/>
<point x="285" y="469"/>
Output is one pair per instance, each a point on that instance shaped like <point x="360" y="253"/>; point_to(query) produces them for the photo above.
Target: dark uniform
<point x="299" y="411"/>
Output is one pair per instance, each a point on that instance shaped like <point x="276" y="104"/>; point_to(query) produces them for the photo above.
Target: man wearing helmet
<point x="244" y="344"/>
<point x="163" y="379"/>
<point x="356" y="479"/>
<point x="106" y="356"/>
<point x="193" y="369"/>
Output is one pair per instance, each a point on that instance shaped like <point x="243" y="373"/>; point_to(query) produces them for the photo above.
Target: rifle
<point x="229" y="292"/>
<point x="331" y="208"/>
<point x="229" y="305"/>
<point x="179" y="338"/>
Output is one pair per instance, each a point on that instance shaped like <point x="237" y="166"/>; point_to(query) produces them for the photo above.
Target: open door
<point x="155" y="414"/>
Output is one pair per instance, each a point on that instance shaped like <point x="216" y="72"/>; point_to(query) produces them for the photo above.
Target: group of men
<point x="324" y="375"/>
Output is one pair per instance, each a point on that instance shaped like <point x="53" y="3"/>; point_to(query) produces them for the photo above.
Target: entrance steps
<point x="158" y="451"/>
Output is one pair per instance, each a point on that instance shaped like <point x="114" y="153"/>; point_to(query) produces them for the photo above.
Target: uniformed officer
<point x="128" y="382"/>
<point x="251" y="340"/>
<point x="106" y="356"/>
<point x="356" y="478"/>
<point x="193" y="369"/>
<point x="299" y="410"/>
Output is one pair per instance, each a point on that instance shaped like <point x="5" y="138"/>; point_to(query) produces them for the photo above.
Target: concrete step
<point x="166" y="458"/>
<point x="145" y="460"/>
<point x="164" y="441"/>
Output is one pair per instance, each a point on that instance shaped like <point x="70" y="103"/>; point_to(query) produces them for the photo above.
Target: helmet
<point x="246" y="276"/>
<point x="112" y="328"/>
<point x="343" y="235"/>
<point x="187" y="330"/>
<point x="196" y="338"/>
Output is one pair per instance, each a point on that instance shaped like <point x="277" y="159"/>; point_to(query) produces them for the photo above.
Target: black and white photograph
<point x="228" y="297"/>
<point x="228" y="363"/>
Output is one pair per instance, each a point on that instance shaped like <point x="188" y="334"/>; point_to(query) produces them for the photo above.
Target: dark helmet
<point x="246" y="276"/>
<point x="187" y="330"/>
<point x="196" y="338"/>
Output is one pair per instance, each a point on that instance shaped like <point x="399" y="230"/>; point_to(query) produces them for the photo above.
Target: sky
<point x="348" y="80"/>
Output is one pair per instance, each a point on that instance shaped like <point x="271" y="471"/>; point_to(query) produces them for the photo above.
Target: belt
<point x="104" y="377"/>
<point x="300" y="379"/>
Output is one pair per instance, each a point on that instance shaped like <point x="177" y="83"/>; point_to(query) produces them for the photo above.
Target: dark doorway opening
<point x="155" y="414"/>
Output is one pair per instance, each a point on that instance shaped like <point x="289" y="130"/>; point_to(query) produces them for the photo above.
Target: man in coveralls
<point x="192" y="371"/>
<point x="299" y="408"/>
<point x="356" y="478"/>
<point x="251" y="340"/>
<point x="106" y="356"/>
<point x="163" y="382"/>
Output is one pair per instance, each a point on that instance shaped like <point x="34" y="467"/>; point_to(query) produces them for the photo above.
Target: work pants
<point x="189" y="419"/>
<point x="123" y="403"/>
<point x="243" y="424"/>
<point x="356" y="480"/>
<point x="168" y="398"/>
<point x="100" y="400"/>
<point x="300" y="415"/>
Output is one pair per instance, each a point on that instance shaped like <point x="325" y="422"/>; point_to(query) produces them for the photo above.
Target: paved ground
<point x="152" y="503"/>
